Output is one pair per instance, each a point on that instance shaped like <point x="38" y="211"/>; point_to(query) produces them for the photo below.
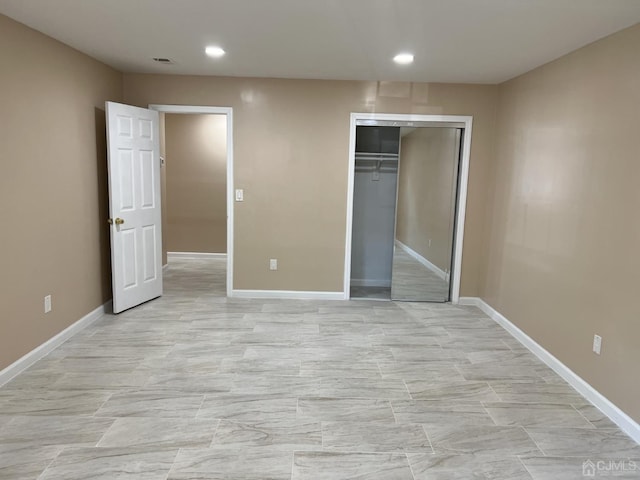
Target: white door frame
<point x="228" y="111"/>
<point x="462" y="187"/>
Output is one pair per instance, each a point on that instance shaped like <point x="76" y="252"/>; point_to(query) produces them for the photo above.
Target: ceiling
<point x="457" y="41"/>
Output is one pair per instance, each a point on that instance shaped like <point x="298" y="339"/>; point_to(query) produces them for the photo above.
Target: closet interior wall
<point x="374" y="209"/>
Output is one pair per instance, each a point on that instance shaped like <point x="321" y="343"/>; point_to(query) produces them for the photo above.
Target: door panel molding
<point x="133" y="145"/>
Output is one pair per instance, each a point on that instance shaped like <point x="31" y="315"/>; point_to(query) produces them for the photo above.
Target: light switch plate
<point x="239" y="195"/>
<point x="597" y="344"/>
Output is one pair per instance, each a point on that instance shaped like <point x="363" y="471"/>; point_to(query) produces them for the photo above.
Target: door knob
<point x="119" y="221"/>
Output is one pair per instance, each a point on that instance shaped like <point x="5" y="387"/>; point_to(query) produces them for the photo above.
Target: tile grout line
<point x="215" y="430"/>
<point x="507" y="345"/>
<point x="407" y="387"/>
<point x="426" y="434"/>
<point x="584" y="416"/>
<point x="50" y="463"/>
<point x="482" y="403"/>
<point x="293" y="459"/>
<point x="204" y="396"/>
<point x="457" y="367"/>
<point x="519" y="457"/>
<point x="393" y="412"/>
<point x="335" y="450"/>
<point x="406" y="455"/>
<point x="496" y="393"/>
<point x="103" y="404"/>
<point x="535" y="443"/>
<point x="115" y="419"/>
<point x="173" y="463"/>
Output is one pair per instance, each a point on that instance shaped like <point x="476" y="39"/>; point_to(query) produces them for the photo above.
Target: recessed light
<point x="215" y="52"/>
<point x="403" y="58"/>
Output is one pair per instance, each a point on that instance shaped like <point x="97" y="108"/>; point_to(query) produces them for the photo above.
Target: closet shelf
<point x="377" y="155"/>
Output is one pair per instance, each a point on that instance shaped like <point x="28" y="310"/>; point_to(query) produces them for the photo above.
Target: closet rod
<point x="376" y="154"/>
<point x="378" y="160"/>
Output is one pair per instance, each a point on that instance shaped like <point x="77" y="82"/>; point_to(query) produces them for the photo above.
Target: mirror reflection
<point x="427" y="181"/>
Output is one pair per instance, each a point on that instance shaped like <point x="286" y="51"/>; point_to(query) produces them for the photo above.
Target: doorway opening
<point x="407" y="190"/>
<point x="198" y="181"/>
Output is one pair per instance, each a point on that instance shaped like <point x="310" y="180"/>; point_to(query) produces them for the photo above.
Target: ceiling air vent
<point x="165" y="61"/>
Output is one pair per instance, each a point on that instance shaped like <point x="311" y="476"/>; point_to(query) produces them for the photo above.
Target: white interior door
<point x="134" y="204"/>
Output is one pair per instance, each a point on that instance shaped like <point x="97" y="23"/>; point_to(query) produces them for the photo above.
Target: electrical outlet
<point x="597" y="344"/>
<point x="273" y="264"/>
<point x="47" y="304"/>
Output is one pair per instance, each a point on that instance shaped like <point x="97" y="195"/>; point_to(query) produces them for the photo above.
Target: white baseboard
<point x="365" y="282"/>
<point x="617" y="416"/>
<point x="290" y="294"/>
<point x="193" y="255"/>
<point x="437" y="270"/>
<point x="54" y="342"/>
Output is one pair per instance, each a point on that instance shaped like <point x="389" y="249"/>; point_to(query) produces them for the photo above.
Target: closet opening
<point x="407" y="192"/>
<point x="374" y="211"/>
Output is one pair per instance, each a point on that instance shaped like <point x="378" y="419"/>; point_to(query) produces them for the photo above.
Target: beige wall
<point x="53" y="196"/>
<point x="426" y="193"/>
<point x="291" y="142"/>
<point x="562" y="251"/>
<point x="196" y="171"/>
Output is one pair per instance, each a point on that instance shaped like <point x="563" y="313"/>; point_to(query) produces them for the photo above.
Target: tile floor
<point x="197" y="386"/>
<point x="370" y="293"/>
<point x="412" y="281"/>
